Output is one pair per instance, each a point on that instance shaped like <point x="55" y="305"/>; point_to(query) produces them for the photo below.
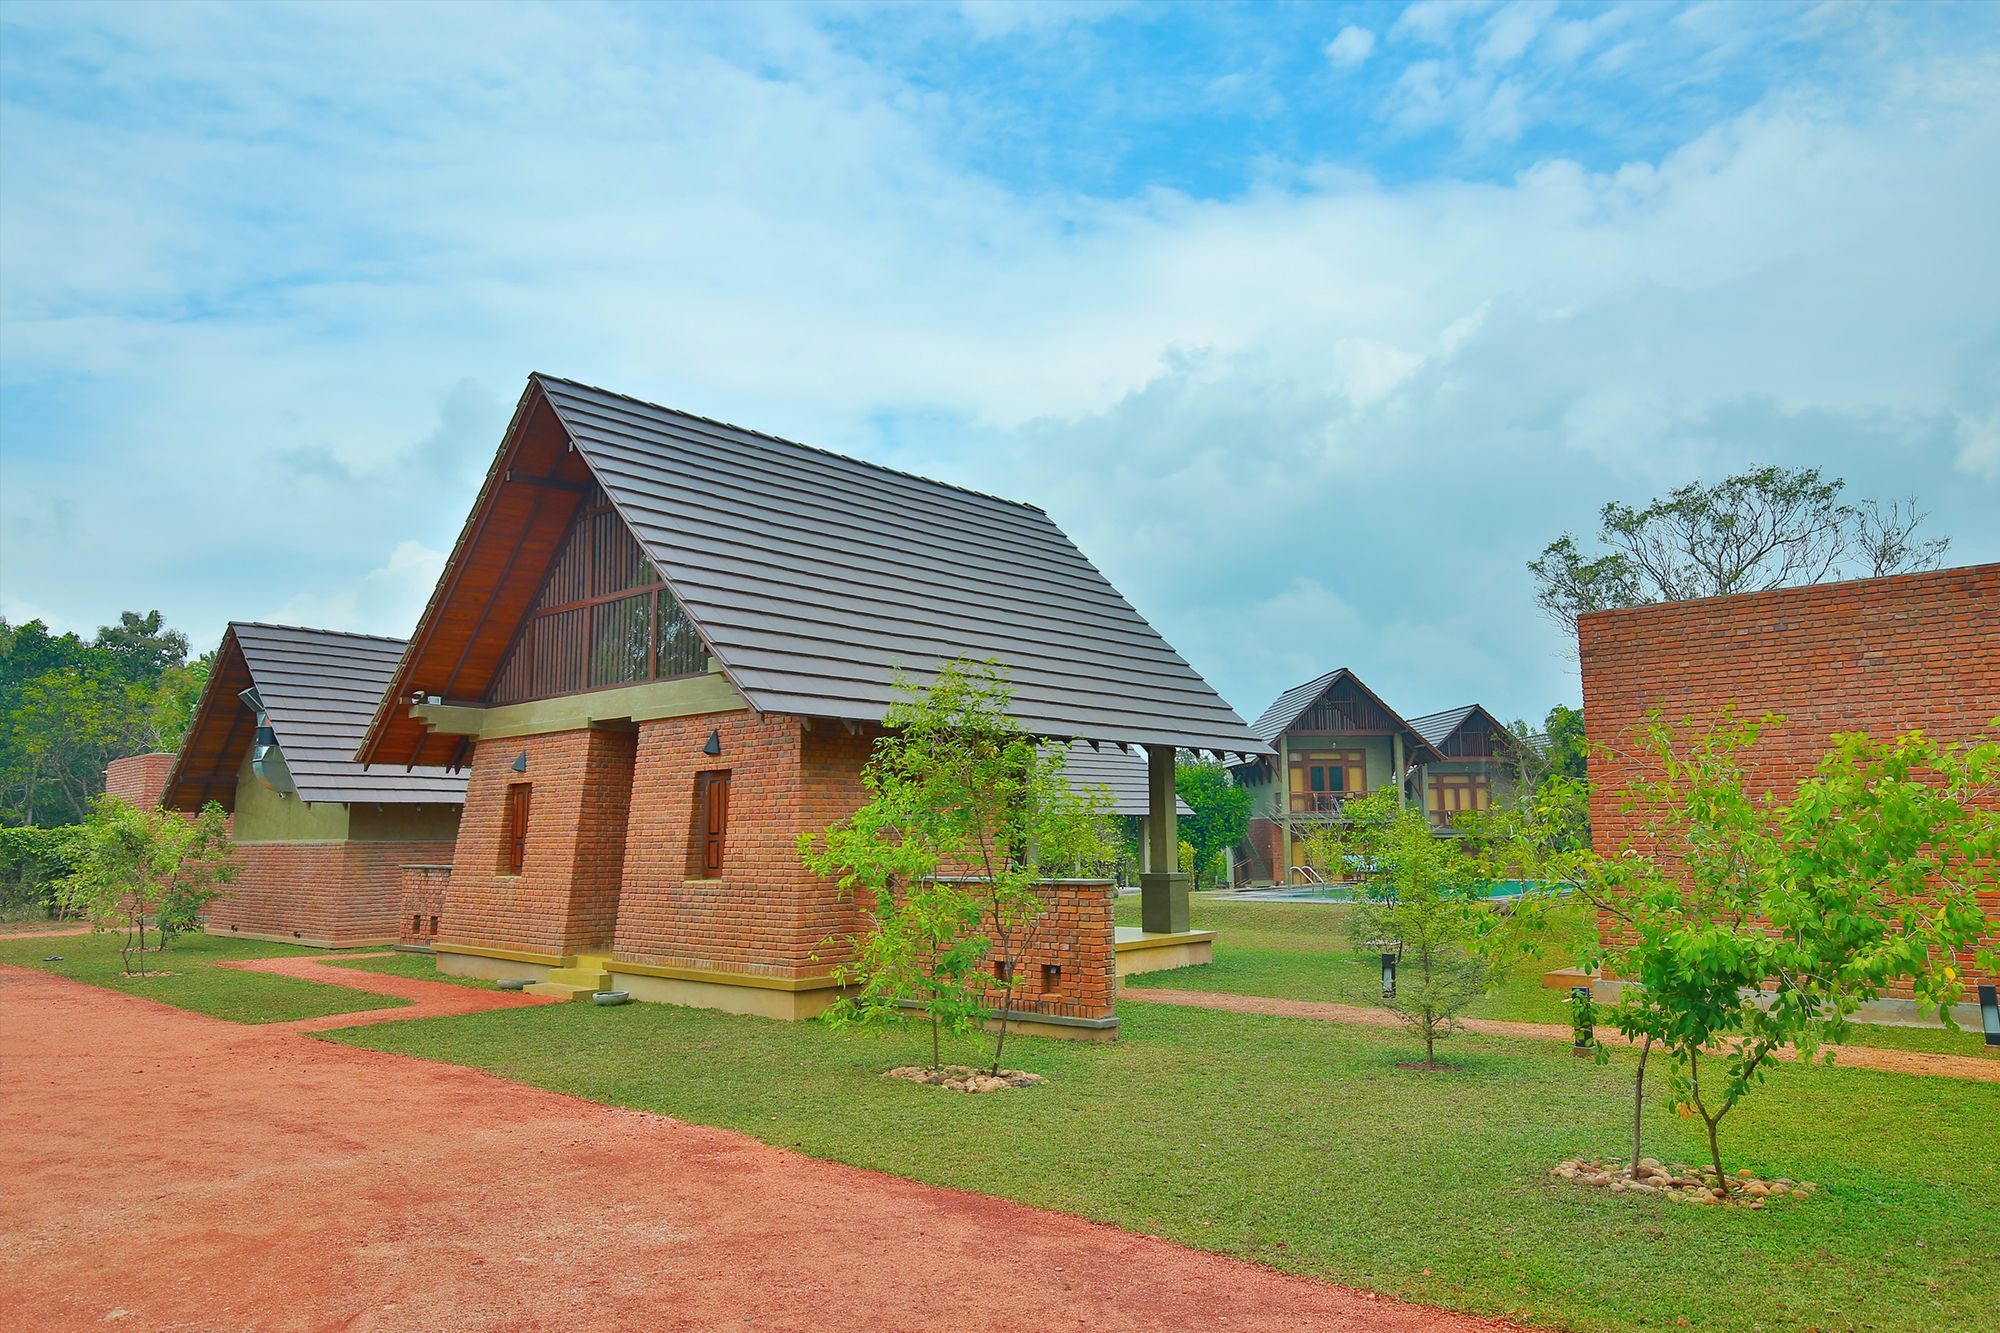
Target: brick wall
<point x="1075" y="936"/>
<point x="139" y="778"/>
<point x="764" y="914"/>
<point x="327" y="893"/>
<point x="612" y="838"/>
<point x="1884" y="656"/>
<point x="565" y="898"/>
<point x="421" y="903"/>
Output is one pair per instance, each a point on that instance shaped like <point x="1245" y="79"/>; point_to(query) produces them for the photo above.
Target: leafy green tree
<point x="1220" y="818"/>
<point x="967" y="816"/>
<point x="1770" y="527"/>
<point x="1751" y="925"/>
<point x="68" y="707"/>
<point x="1420" y="898"/>
<point x="132" y="865"/>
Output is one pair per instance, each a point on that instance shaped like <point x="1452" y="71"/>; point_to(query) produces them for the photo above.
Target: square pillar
<point x="1163" y="893"/>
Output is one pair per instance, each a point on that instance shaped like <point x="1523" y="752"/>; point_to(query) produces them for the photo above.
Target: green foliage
<point x="132" y="865"/>
<point x="967" y="815"/>
<point x="1756" y="924"/>
<point x="1421" y="898"/>
<point x="33" y="862"/>
<point x="1583" y="1018"/>
<point x="1770" y="527"/>
<point x="1220" y="818"/>
<point x="70" y="707"/>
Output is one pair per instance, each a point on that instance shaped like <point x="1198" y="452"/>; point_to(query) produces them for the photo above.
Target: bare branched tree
<point x="1770" y="527"/>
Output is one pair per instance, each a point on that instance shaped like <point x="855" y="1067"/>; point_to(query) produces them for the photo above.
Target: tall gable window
<point x="603" y="617"/>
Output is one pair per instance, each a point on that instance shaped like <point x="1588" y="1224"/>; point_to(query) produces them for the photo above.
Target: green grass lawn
<point x="1302" y="1145"/>
<point x="416" y="966"/>
<point x="1300" y="951"/>
<point x="196" y="983"/>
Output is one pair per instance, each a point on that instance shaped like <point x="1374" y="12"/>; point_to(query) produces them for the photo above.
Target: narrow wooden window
<point x="711" y="821"/>
<point x="514" y="830"/>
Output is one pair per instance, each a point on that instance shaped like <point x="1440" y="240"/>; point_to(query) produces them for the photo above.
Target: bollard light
<point x="1388" y="976"/>
<point x="1989" y="1013"/>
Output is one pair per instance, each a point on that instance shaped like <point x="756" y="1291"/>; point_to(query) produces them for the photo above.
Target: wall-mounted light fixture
<point x="1989" y="1013"/>
<point x="521" y="762"/>
<point x="1388" y="976"/>
<point x="713" y="745"/>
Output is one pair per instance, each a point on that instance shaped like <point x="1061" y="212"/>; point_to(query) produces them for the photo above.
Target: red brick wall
<point x="421" y="903"/>
<point x="333" y="893"/>
<point x="611" y="835"/>
<point x="565" y="898"/>
<point x="1076" y="935"/>
<point x="764" y="914"/>
<point x="139" y="778"/>
<point x="1884" y="656"/>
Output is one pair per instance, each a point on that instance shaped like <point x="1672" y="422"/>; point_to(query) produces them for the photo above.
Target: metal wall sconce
<point x="1989" y="1013"/>
<point x="521" y="762"/>
<point x="714" y="744"/>
<point x="1388" y="976"/>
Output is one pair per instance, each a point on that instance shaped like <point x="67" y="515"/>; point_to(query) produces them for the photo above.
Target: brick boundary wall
<point x="1884" y="656"/>
<point x="140" y="778"/>
<point x="1075" y="934"/>
<point x="420" y="904"/>
<point x="330" y="894"/>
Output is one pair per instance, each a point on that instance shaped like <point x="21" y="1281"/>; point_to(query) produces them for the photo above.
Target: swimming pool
<point x="1500" y="890"/>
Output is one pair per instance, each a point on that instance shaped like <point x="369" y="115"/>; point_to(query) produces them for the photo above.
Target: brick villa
<point x="1882" y="656"/>
<point x="662" y="648"/>
<point x="321" y="841"/>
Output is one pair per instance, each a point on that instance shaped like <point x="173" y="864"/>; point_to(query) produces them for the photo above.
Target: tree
<point x="1422" y="900"/>
<point x="967" y="815"/>
<point x="1220" y="818"/>
<point x="133" y="864"/>
<point x="1771" y="527"/>
<point x="1750" y="925"/>
<point x="68" y="707"/>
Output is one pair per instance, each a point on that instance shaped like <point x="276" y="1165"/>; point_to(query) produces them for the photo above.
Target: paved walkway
<point x="1927" y="1063"/>
<point x="171" y="1170"/>
<point x="429" y="999"/>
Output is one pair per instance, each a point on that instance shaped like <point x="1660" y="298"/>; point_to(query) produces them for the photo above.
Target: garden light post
<point x="1989" y="1013"/>
<point x="1388" y="976"/>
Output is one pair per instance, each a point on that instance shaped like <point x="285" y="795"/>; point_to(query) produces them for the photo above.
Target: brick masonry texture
<point x="1884" y="656"/>
<point x="334" y="893"/>
<point x="139" y="778"/>
<point x="611" y="860"/>
<point x="421" y="903"/>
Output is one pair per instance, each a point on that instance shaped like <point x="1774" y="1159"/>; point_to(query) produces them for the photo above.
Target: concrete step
<point x="592" y="977"/>
<point x="564" y="991"/>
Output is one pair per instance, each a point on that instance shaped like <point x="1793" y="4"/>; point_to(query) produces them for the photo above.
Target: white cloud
<point x="1510" y="30"/>
<point x="1350" y="46"/>
<point x="277" y="331"/>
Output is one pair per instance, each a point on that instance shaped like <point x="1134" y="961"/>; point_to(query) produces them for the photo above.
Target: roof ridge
<point x="796" y="444"/>
<point x="314" y="629"/>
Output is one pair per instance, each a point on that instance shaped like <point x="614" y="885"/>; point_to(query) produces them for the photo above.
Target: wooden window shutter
<point x="514" y="830"/>
<point x="711" y="820"/>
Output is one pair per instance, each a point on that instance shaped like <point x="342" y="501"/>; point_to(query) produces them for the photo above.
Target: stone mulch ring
<point x="964" y="1078"/>
<point x="1688" y="1184"/>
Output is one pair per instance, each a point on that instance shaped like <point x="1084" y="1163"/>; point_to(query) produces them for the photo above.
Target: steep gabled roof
<point x="1290" y="706"/>
<point x="1438" y="728"/>
<point x="319" y="689"/>
<point x="1120" y="769"/>
<point x="813" y="579"/>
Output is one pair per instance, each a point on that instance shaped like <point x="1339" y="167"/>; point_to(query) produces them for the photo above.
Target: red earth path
<point x="168" y="1170"/>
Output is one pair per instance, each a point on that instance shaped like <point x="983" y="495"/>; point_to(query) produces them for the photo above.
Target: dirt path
<point x="43" y="932"/>
<point x="429" y="999"/>
<point x="1851" y="1057"/>
<point x="171" y="1170"/>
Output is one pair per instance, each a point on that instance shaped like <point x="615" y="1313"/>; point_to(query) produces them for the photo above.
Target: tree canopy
<point x="1221" y="815"/>
<point x="68" y="706"/>
<point x="1770" y="527"/>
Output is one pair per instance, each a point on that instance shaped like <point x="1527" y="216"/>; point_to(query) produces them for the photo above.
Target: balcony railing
<point x="1323" y="802"/>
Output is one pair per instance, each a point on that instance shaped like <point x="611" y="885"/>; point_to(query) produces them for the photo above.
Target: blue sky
<point x="1420" y="286"/>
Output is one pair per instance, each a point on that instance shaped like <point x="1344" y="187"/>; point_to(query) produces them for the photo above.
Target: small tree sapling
<point x="135" y="864"/>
